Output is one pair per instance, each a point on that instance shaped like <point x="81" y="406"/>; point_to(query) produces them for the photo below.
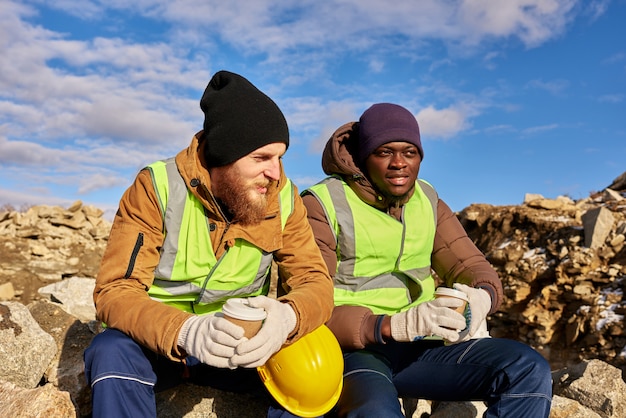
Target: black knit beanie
<point x="238" y="119"/>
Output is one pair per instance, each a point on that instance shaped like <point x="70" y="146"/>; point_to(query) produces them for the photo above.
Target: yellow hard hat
<point x="306" y="377"/>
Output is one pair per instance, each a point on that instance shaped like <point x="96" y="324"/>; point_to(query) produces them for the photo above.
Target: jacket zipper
<point x="133" y="256"/>
<point x="219" y="208"/>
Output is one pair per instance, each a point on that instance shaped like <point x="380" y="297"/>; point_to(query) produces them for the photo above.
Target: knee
<point x="542" y="374"/>
<point x="368" y="394"/>
<point x="533" y="370"/>
<point x="111" y="342"/>
<point x="113" y="350"/>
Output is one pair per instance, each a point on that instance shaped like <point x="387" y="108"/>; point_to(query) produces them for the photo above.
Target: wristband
<point x="378" y="334"/>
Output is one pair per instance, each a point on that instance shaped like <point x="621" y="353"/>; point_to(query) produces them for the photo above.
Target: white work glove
<point x="280" y="321"/>
<point x="211" y="339"/>
<point x="478" y="307"/>
<point x="436" y="317"/>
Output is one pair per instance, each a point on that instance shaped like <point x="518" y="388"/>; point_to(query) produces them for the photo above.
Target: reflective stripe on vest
<point x="188" y="275"/>
<point x="382" y="264"/>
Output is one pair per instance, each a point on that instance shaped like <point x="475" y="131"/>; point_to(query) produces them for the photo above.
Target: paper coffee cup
<point x="239" y="312"/>
<point x="453" y="293"/>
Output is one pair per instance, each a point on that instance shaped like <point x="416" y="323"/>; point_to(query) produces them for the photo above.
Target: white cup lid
<point x="238" y="308"/>
<point x="446" y="291"/>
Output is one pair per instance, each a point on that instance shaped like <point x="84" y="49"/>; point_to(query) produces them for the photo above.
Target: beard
<point x="240" y="198"/>
<point x="393" y="200"/>
<point x="399" y="200"/>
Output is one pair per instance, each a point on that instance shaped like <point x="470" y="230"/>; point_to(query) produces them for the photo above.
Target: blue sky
<point x="512" y="97"/>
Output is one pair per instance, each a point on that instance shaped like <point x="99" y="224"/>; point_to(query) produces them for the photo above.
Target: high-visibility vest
<point x="382" y="263"/>
<point x="188" y="275"/>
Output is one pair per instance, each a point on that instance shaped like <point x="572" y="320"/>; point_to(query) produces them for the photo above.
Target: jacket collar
<point x="192" y="167"/>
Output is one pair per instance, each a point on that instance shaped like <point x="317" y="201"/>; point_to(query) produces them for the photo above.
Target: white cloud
<point x="532" y="21"/>
<point x="305" y="181"/>
<point x="499" y="129"/>
<point x="292" y="24"/>
<point x="22" y="199"/>
<point x="27" y="153"/>
<point x="616" y="58"/>
<point x="376" y="65"/>
<point x="539" y="129"/>
<point x="104" y="103"/>
<point x="611" y="98"/>
<point x="437" y="64"/>
<point x="442" y="123"/>
<point x="596" y="8"/>
<point x="319" y="120"/>
<point x="553" y="86"/>
<point x="100" y="181"/>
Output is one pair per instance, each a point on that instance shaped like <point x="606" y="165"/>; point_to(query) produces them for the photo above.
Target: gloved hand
<point x="479" y="306"/>
<point x="280" y="321"/>
<point x="429" y="318"/>
<point x="211" y="339"/>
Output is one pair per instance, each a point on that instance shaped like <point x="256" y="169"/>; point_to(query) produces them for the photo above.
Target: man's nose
<point x="397" y="160"/>
<point x="273" y="171"/>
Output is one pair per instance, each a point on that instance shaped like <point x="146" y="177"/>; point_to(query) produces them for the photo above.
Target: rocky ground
<point x="563" y="266"/>
<point x="46" y="244"/>
<point x="562" y="263"/>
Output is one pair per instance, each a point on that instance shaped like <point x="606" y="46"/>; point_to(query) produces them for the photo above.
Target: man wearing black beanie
<point x="192" y="232"/>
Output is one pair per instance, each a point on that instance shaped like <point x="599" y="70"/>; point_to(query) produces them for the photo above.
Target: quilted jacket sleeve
<point x="456" y="259"/>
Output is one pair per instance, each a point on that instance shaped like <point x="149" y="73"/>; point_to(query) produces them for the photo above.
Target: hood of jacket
<point x="339" y="158"/>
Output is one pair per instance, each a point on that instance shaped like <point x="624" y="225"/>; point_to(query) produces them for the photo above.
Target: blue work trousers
<point x="124" y="376"/>
<point x="510" y="377"/>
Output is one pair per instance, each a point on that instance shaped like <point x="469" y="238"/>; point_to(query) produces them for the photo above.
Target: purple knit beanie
<point x="387" y="122"/>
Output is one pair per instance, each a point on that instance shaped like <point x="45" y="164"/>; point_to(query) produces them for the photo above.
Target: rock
<point x="44" y="401"/>
<point x="529" y="197"/>
<point x="569" y="408"/>
<point x="191" y="401"/>
<point x="595" y="385"/>
<point x="7" y="292"/>
<point x="619" y="183"/>
<point x="72" y="336"/>
<point x="597" y="223"/>
<point x="458" y="410"/>
<point x="545" y="204"/>
<point x="26" y="349"/>
<point x="609" y="195"/>
<point x="75" y="296"/>
<point x="36" y="248"/>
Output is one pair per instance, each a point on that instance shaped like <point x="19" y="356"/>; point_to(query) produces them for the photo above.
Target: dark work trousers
<point x="510" y="377"/>
<point x="124" y="376"/>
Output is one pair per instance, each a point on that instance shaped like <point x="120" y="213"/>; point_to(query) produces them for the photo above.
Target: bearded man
<point x="191" y="232"/>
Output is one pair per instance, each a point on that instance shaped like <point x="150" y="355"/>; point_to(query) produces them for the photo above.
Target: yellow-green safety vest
<point x="188" y="275"/>
<point x="382" y="264"/>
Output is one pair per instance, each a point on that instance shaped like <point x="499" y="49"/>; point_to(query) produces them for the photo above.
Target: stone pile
<point x="563" y="267"/>
<point x="45" y="244"/>
<point x="562" y="263"/>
